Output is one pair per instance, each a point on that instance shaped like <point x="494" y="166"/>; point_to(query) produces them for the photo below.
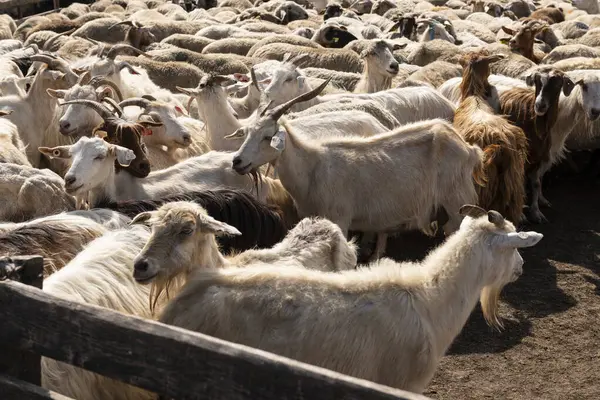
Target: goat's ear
<point x="211" y="225"/>
<point x="568" y="86"/>
<point x="141" y="218"/>
<point x="123" y="155"/>
<point x="508" y="31"/>
<point x="56" y="152"/>
<point x="189" y="92"/>
<point x="399" y="46"/>
<point x="103" y="92"/>
<point x="516" y="240"/>
<point x="530" y="79"/>
<point x="57" y="94"/>
<point x="472" y="211"/>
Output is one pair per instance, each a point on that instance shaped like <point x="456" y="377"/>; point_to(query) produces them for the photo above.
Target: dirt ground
<point x="550" y="345"/>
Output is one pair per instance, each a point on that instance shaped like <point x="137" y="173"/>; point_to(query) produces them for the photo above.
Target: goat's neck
<point x="295" y="167"/>
<point x="106" y="193"/>
<point x="247" y="104"/>
<point x="219" y="121"/>
<point x="570" y="114"/>
<point x="207" y="255"/>
<point x="457" y="274"/>
<point x="41" y="102"/>
<point x="303" y="105"/>
<point x="372" y="81"/>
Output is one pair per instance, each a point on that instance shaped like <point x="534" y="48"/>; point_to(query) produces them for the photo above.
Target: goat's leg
<point x="379" y="247"/>
<point x="535" y="180"/>
<point x="541" y="199"/>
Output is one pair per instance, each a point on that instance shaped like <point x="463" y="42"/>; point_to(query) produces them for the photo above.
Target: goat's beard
<point x="161" y="284"/>
<point x="489" y="299"/>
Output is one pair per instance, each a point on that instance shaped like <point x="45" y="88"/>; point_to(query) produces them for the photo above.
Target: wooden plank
<point x="170" y="361"/>
<point x="6" y="4"/>
<point x="24" y="365"/>
<point x="11" y="388"/>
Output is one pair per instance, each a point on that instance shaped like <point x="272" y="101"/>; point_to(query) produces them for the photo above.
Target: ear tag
<point x="431" y="33"/>
<point x="146" y="131"/>
<point x="278" y="140"/>
<point x="336" y="39"/>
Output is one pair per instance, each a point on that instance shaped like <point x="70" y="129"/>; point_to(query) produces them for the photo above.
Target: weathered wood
<point x="170" y="361"/>
<point x="24" y="365"/>
<point x="11" y="388"/>
<point x="6" y="4"/>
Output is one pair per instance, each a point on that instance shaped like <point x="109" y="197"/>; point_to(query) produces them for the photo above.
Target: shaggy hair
<point x="261" y="225"/>
<point x="504" y="145"/>
<point x="58" y="238"/>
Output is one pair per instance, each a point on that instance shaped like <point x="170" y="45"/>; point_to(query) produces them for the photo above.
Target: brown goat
<point x="504" y="145"/>
<point x="522" y="40"/>
<point x="551" y="15"/>
<point x="535" y="111"/>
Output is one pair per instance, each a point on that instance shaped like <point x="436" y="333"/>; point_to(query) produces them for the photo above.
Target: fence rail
<point x="170" y="361"/>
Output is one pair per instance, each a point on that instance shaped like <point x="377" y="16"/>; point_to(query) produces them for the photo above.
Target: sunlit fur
<point x="389" y="323"/>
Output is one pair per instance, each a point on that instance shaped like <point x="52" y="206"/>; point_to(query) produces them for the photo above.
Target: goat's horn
<point x="129" y="23"/>
<point x="100" y="108"/>
<point x="149" y="97"/>
<point x="254" y="80"/>
<point x="298" y="59"/>
<point x="54" y="38"/>
<point x="472" y="211"/>
<point x="135" y="101"/>
<point x="118" y="48"/>
<point x="114" y="105"/>
<point x="97" y="81"/>
<point x="278" y="111"/>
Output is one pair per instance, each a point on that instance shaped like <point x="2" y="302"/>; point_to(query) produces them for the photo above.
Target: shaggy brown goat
<point x="504" y="145"/>
<point x="551" y="15"/>
<point x="535" y="111"/>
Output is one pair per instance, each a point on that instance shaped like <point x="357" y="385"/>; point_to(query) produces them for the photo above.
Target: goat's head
<point x="183" y="235"/>
<point x="548" y="86"/>
<point x="522" y="40"/>
<point x="589" y="87"/>
<point x="286" y="81"/>
<point x="92" y="162"/>
<point x="379" y="57"/>
<point x="264" y="138"/>
<point x="211" y="89"/>
<point x="333" y="36"/>
<point x="380" y="7"/>
<point x="497" y="242"/>
<point x="332" y="10"/>
<point x="161" y="120"/>
<point x="138" y="35"/>
<point x="120" y="132"/>
<point x="289" y="11"/>
<point x="77" y="119"/>
<point x="476" y="71"/>
<point x="58" y="64"/>
<point x="494" y="9"/>
<point x="430" y="29"/>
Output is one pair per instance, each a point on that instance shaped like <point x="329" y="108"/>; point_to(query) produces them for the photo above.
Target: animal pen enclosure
<point x="172" y="362"/>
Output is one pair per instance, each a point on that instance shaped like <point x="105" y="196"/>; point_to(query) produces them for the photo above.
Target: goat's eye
<point x="186" y="231"/>
<point x="100" y="157"/>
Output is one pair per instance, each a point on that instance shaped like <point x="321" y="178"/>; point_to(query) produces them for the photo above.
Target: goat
<point x="522" y="40"/>
<point x="261" y="225"/>
<point x="303" y="307"/>
<point x="504" y="144"/>
<point x="536" y="111"/>
<point x="393" y="157"/>
<point x="58" y="238"/>
<point x="99" y="275"/>
<point x="183" y="240"/>
<point x="12" y="149"/>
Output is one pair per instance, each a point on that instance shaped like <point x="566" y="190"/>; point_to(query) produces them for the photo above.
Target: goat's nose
<point x="65" y="124"/>
<point x="237" y="161"/>
<point x="394" y="66"/>
<point x="69" y="180"/>
<point x="187" y="139"/>
<point x="141" y="266"/>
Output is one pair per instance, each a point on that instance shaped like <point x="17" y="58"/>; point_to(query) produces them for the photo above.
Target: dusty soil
<point x="550" y="345"/>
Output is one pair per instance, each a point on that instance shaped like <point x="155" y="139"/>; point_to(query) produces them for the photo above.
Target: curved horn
<point x="254" y="80"/>
<point x="472" y="211"/>
<point x="149" y="97"/>
<point x="54" y="38"/>
<point x="100" y="108"/>
<point x="129" y="23"/>
<point x="117" y="48"/>
<point x="278" y="111"/>
<point x="114" y="105"/>
<point x="135" y="101"/>
<point x="97" y="81"/>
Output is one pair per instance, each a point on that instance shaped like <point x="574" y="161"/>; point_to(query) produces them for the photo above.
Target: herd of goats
<point x="218" y="166"/>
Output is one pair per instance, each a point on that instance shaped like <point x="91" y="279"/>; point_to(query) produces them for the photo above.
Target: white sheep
<point x="12" y="149"/>
<point x="334" y="319"/>
<point x="336" y="177"/>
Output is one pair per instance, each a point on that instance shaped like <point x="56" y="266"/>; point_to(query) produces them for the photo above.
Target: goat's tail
<point x="477" y="157"/>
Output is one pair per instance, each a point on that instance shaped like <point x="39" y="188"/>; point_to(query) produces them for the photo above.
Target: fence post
<point x="23" y="365"/>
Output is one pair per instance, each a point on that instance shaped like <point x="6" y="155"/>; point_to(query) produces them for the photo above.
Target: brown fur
<point x="523" y="40"/>
<point x="128" y="135"/>
<point x="550" y="14"/>
<point x="504" y="145"/>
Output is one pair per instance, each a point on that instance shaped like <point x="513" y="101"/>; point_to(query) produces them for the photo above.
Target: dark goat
<point x="121" y="132"/>
<point x="535" y="111"/>
<point x="137" y="35"/>
<point x="262" y="225"/>
<point x="550" y="14"/>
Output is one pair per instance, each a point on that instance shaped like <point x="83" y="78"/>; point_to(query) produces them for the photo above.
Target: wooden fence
<point x="172" y="362"/>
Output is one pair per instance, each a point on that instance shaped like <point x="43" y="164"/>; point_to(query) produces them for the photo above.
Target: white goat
<point x="296" y="312"/>
<point x="336" y="178"/>
<point x="100" y="275"/>
<point x="92" y="170"/>
<point x="12" y="149"/>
